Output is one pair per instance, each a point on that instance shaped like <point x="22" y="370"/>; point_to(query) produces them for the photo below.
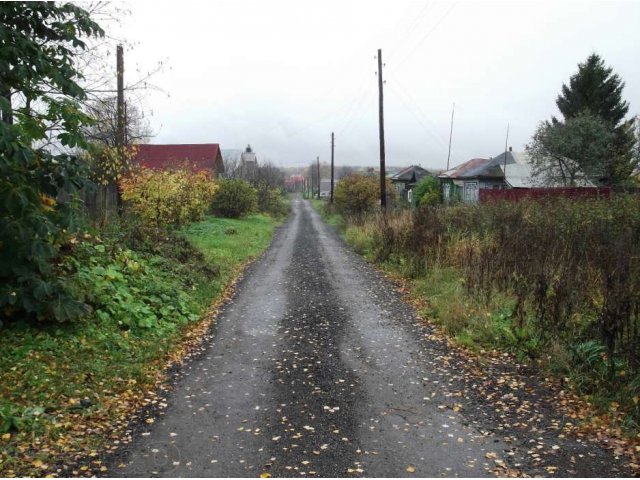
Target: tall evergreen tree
<point x="597" y="91"/>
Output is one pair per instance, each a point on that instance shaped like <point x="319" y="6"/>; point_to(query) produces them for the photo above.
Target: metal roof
<point x="199" y="156"/>
<point x="410" y="174"/>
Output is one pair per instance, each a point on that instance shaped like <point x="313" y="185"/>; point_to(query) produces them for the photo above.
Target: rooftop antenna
<point x="450" y="134"/>
<point x="504" y="168"/>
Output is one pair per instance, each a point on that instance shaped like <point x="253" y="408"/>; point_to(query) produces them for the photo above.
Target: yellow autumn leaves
<point x="168" y="197"/>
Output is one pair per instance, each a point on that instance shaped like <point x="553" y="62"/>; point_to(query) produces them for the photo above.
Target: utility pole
<point x="504" y="168"/>
<point x="120" y="120"/>
<point x="332" y="148"/>
<point x="318" y="160"/>
<point x="450" y="134"/>
<point x="383" y="189"/>
<point x="120" y="100"/>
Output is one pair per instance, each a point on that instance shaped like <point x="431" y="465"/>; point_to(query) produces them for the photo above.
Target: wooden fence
<point x="100" y="202"/>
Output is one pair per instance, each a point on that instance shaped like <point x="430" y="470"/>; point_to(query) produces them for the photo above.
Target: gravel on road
<point x="318" y="367"/>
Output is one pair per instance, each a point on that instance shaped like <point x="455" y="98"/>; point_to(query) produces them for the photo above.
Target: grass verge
<point x="326" y="212"/>
<point x="67" y="391"/>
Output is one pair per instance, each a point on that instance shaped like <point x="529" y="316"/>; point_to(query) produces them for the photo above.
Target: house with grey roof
<point x="406" y="179"/>
<point x="507" y="170"/>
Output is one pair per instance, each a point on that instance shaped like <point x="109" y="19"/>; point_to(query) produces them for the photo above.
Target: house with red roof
<point x="197" y="157"/>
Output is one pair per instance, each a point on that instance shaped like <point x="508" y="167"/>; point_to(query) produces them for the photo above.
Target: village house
<point x="406" y="179"/>
<point x="507" y="170"/>
<point x="196" y="157"/>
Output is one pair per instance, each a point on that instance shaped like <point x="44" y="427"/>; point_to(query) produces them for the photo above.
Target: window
<point x="470" y="192"/>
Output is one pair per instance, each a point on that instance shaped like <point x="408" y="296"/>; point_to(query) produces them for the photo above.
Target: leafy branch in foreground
<point x="39" y="41"/>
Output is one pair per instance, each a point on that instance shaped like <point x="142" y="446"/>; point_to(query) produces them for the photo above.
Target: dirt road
<point x="318" y="368"/>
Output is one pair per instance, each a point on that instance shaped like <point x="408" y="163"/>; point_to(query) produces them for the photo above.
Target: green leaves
<point x="234" y="199"/>
<point x="571" y="153"/>
<point x="39" y="41"/>
<point x="123" y="289"/>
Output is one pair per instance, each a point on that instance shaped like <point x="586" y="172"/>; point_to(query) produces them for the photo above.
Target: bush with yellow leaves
<point x="168" y="197"/>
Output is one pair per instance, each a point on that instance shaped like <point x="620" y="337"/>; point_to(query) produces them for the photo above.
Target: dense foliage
<point x="556" y="279"/>
<point x="39" y="97"/>
<point x="168" y="197"/>
<point x="356" y="195"/>
<point x="235" y="198"/>
<point x="571" y="153"/>
<point x="427" y="192"/>
<point x="593" y="135"/>
<point x="595" y="89"/>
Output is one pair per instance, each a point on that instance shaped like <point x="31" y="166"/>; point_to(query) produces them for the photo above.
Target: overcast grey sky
<point x="282" y="75"/>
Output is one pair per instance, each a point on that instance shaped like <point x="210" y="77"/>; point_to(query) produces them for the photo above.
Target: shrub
<point x="356" y="195"/>
<point x="168" y="197"/>
<point x="271" y="202"/>
<point x="40" y="42"/>
<point x="553" y="275"/>
<point x="427" y="192"/>
<point x="235" y="198"/>
<point x="126" y="288"/>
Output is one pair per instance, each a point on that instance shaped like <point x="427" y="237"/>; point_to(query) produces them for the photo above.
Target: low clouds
<point x="283" y="75"/>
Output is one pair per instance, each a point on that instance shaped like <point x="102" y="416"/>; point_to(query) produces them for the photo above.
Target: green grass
<point x="46" y="370"/>
<point x="229" y="242"/>
<point x="322" y="207"/>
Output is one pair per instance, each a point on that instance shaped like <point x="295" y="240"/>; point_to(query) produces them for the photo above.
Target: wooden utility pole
<point x="120" y="120"/>
<point x="450" y="135"/>
<point x="383" y="189"/>
<point x="318" y="160"/>
<point x="120" y="123"/>
<point x="332" y="148"/>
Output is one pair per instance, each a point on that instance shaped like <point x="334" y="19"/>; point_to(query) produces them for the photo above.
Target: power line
<point x="416" y="105"/>
<point x="427" y="35"/>
<point x="416" y="21"/>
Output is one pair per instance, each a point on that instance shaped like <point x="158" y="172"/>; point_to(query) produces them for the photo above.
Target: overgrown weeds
<point x="555" y="280"/>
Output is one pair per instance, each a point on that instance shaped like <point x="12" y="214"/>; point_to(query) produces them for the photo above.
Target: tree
<point x="39" y="104"/>
<point x="234" y="198"/>
<point x="359" y="194"/>
<point x="103" y="112"/>
<point x="568" y="152"/>
<point x="597" y="91"/>
<point x="427" y="192"/>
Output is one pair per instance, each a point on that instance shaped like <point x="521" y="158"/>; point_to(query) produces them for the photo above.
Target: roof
<point x="197" y="156"/>
<point x="410" y="174"/>
<point x="517" y="170"/>
<point x="470" y="168"/>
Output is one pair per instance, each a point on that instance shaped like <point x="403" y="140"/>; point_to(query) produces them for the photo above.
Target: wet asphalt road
<point x="316" y="368"/>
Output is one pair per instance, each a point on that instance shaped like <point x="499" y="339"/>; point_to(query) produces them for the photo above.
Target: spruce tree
<point x="597" y="91"/>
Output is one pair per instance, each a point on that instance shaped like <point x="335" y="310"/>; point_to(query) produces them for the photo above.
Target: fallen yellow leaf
<point x="37" y="463"/>
<point x="6" y="436"/>
<point x="411" y="469"/>
<point x="265" y="475"/>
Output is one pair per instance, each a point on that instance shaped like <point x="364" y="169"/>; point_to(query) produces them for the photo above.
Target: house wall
<point x="451" y="192"/>
<point x="472" y="187"/>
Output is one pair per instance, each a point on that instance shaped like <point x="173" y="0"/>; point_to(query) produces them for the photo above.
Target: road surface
<point x="318" y="368"/>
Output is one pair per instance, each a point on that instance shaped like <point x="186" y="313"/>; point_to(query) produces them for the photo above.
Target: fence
<point x="100" y="202"/>
<point x="516" y="194"/>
